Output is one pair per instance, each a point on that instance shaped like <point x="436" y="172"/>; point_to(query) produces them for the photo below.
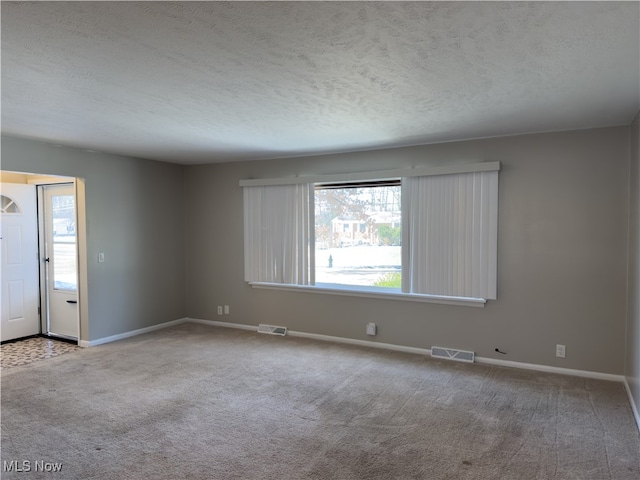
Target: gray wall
<point x="632" y="367"/>
<point x="564" y="216"/>
<point x="562" y="252"/>
<point x="135" y="215"/>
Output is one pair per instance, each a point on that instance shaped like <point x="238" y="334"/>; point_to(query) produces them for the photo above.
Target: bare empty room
<point x="320" y="240"/>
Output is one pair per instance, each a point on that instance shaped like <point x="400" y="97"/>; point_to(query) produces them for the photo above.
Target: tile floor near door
<point x="24" y="352"/>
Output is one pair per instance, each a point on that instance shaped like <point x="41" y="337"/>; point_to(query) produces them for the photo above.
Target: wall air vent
<point x="452" y="354"/>
<point x="272" y="329"/>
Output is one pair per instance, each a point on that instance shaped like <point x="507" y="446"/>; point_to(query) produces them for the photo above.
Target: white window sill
<point x="371" y="292"/>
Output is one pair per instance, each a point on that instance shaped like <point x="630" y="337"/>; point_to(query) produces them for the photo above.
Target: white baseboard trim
<point x="426" y="351"/>
<point x="480" y="360"/>
<point x="366" y="343"/>
<point x="362" y="343"/>
<point x="317" y="336"/>
<point x="215" y="323"/>
<point x="634" y="409"/>
<point x="549" y="369"/>
<point x="132" y="333"/>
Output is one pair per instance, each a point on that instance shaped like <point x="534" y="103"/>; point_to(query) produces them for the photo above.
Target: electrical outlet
<point x="219" y="309"/>
<point x="561" y="351"/>
<point x="226" y="309"/>
<point x="371" y="329"/>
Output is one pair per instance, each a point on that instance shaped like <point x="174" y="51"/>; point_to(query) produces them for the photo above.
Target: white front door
<point x="61" y="260"/>
<point x="19" y="252"/>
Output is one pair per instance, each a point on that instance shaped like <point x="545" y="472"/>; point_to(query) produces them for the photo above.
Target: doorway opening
<point x="47" y="257"/>
<point x="59" y="254"/>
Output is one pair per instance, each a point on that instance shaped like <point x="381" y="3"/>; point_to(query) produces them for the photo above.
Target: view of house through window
<point x="64" y="242"/>
<point x="358" y="234"/>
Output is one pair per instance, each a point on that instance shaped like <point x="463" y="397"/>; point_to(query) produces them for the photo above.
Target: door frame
<point x="81" y="238"/>
<point x="45" y="301"/>
<point x="34" y="178"/>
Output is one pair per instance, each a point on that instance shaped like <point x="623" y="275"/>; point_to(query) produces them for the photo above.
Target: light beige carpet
<point x="201" y="402"/>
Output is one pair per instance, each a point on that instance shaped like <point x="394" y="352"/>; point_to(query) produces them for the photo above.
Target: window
<point x="7" y="205"/>
<point x="425" y="233"/>
<point x="64" y="242"/>
<point x="353" y="234"/>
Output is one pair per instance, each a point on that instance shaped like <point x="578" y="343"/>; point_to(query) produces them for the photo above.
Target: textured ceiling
<point x="199" y="82"/>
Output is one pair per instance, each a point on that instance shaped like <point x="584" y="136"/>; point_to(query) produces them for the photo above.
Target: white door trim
<point x="59" y="304"/>
<point x="81" y="232"/>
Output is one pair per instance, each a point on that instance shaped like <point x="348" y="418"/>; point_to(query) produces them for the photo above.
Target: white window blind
<point x="449" y="230"/>
<point x="278" y="233"/>
<point x="450" y="227"/>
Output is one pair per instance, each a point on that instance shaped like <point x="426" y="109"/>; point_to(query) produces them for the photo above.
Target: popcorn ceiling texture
<point x="201" y="82"/>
